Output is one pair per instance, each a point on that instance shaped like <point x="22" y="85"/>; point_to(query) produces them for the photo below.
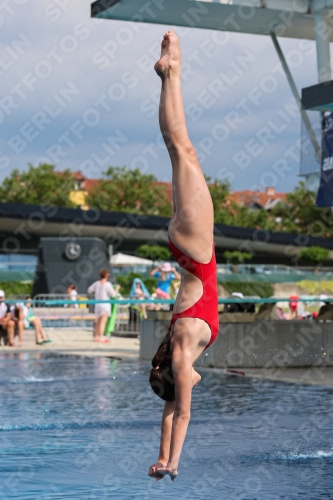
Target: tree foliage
<point x="316" y="287"/>
<point x="230" y="213"/>
<point x="219" y="192"/>
<point x="299" y="214"/>
<point x="38" y="186"/>
<point x="153" y="252"/>
<point x="125" y="190"/>
<point x="237" y="257"/>
<point x="261" y="288"/>
<point x="314" y="254"/>
<point x="16" y="288"/>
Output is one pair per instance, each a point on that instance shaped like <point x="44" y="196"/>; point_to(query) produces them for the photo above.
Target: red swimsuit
<point x="206" y="307"/>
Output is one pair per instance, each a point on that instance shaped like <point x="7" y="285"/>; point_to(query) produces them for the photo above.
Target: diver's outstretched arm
<point x="166" y="430"/>
<point x="166" y="434"/>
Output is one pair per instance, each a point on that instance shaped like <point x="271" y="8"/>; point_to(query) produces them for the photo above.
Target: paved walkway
<point x="80" y="342"/>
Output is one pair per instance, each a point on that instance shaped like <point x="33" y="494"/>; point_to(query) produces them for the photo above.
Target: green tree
<point x="253" y="218"/>
<point x="219" y="192"/>
<point x="125" y="190"/>
<point x="236" y="256"/>
<point x="16" y="288"/>
<point x="153" y="252"/>
<point x="38" y="186"/>
<point x="299" y="214"/>
<point x="314" y="254"/>
<point x="228" y="212"/>
<point x="260" y="288"/>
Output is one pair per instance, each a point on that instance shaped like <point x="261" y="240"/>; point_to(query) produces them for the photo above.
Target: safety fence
<point x="57" y="311"/>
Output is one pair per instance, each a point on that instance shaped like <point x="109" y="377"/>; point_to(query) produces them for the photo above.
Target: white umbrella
<point x="121" y="259"/>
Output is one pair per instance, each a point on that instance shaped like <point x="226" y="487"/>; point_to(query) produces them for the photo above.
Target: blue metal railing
<point x="245" y="300"/>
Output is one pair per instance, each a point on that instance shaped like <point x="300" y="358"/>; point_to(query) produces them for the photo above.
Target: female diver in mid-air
<point x="194" y="325"/>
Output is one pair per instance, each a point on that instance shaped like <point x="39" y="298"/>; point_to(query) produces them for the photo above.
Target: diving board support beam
<point x="322" y="46"/>
<point x="297" y="97"/>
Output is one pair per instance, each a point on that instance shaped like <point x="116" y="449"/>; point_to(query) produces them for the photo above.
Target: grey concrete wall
<point x="262" y="344"/>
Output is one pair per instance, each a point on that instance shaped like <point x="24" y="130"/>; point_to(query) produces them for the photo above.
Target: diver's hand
<point x="153" y="468"/>
<point x="163" y="471"/>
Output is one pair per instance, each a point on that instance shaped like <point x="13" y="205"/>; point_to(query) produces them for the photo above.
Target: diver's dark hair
<point x="161" y="376"/>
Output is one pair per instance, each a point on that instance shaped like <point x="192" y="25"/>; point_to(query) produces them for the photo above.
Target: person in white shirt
<point x="73" y="295"/>
<point x="103" y="290"/>
<point x="7" y="324"/>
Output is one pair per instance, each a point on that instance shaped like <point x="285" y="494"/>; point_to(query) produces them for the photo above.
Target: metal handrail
<point x="247" y="300"/>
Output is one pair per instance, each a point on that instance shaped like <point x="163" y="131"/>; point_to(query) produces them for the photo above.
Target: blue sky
<point x="82" y="94"/>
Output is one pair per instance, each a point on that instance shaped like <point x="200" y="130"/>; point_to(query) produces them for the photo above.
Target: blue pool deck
<point x="75" y="427"/>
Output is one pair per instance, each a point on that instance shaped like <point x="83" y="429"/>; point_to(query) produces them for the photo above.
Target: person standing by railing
<point x="69" y="289"/>
<point x="103" y="290"/>
<point x="139" y="291"/>
<point x="73" y="296"/>
<point x="164" y="274"/>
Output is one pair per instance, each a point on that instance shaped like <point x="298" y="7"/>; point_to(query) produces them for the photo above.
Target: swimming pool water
<point x="81" y="428"/>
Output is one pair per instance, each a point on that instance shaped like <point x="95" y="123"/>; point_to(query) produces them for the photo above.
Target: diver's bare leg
<point x="160" y="117"/>
<point x="191" y="228"/>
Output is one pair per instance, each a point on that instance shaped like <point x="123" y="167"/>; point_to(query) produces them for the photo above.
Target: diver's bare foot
<point x="163" y="471"/>
<point x="171" y="58"/>
<point x="152" y="469"/>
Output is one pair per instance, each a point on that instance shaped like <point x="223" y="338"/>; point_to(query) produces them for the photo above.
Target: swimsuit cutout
<point x="206" y="308"/>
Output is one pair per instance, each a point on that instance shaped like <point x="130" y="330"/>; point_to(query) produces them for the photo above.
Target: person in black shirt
<point x="239" y="307"/>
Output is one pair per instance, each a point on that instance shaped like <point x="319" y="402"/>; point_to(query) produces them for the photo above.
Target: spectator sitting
<point x="16" y="323"/>
<point x="322" y="298"/>
<point x="176" y="286"/>
<point x="293" y="306"/>
<point x="7" y="325"/>
<point x="280" y="313"/>
<point x="139" y="291"/>
<point x="31" y="320"/>
<point x="165" y="274"/>
<point x="325" y="307"/>
<point x="239" y="307"/>
<point x="151" y="306"/>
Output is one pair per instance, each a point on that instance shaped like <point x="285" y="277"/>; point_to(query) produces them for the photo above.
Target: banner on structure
<point x="325" y="191"/>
